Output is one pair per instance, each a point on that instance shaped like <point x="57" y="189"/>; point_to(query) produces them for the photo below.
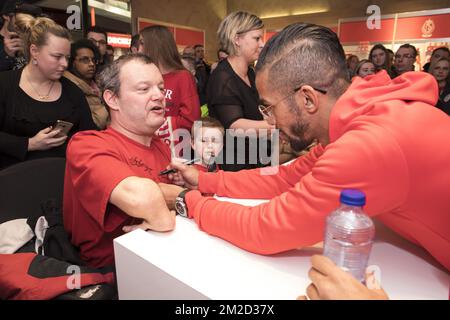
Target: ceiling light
<point x="293" y="12"/>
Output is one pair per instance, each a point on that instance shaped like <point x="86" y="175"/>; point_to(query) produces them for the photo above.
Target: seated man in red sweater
<point x="111" y="176"/>
<point x="382" y="136"/>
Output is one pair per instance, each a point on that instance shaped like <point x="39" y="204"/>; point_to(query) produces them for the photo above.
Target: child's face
<point x="208" y="142"/>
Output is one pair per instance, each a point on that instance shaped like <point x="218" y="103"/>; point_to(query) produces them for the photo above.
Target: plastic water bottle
<point x="349" y="234"/>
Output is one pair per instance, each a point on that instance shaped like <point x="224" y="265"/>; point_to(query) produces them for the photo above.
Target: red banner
<point x="188" y="37"/>
<point x="419" y="27"/>
<point x="357" y="31"/>
<point x="423" y="27"/>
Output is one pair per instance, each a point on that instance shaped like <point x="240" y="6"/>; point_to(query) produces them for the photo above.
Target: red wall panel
<point x="188" y="37"/>
<point x="411" y="28"/>
<point x="356" y="31"/>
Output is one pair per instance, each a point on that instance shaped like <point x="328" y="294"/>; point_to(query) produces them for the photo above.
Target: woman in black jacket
<point x="34" y="98"/>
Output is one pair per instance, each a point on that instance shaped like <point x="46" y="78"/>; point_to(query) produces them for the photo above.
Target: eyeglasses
<point x="99" y="42"/>
<point x="266" y="111"/>
<point x="86" y="60"/>
<point x="405" y="56"/>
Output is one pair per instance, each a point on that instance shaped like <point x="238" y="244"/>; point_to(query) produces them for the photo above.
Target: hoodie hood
<point x="372" y="94"/>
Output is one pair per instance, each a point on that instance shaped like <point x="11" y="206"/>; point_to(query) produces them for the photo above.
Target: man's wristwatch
<point x="180" y="204"/>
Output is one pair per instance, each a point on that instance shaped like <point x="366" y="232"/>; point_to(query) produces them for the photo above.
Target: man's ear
<point x="111" y="100"/>
<point x="310" y="99"/>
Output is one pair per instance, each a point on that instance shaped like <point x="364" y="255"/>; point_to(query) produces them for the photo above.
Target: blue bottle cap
<point x="353" y="197"/>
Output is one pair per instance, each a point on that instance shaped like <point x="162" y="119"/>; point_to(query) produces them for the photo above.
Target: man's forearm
<point x="140" y="198"/>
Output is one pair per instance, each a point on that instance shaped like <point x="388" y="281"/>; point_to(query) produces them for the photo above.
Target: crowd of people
<point x="346" y="124"/>
<point x="381" y="58"/>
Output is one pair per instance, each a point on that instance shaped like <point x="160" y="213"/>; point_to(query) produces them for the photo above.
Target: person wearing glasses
<point x="34" y="98"/>
<point x="99" y="37"/>
<point x="232" y="95"/>
<point x="404" y="59"/>
<point x="83" y="61"/>
<point x="367" y="138"/>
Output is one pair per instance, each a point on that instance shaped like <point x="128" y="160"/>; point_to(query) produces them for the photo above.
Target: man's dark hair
<point x="441" y="49"/>
<point x="198" y="46"/>
<point x="98" y="29"/>
<point x="305" y="54"/>
<point x="134" y="41"/>
<point x="82" y="44"/>
<point x="409" y="46"/>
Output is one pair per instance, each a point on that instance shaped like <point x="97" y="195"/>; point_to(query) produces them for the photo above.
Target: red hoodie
<point x="386" y="139"/>
<point x="182" y="106"/>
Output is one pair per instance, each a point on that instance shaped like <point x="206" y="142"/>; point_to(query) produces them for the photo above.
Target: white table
<point x="190" y="264"/>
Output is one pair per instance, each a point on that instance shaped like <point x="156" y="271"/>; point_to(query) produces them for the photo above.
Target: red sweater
<point x="386" y="139"/>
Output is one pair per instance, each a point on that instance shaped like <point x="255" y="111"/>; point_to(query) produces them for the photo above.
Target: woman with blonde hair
<point x="232" y="95"/>
<point x="440" y="69"/>
<point x="182" y="102"/>
<point x="34" y="98"/>
<point x="364" y="68"/>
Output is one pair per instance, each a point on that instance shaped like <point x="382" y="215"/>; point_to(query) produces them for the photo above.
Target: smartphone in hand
<point x="64" y="126"/>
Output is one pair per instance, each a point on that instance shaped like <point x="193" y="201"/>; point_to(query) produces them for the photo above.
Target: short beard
<point x="298" y="141"/>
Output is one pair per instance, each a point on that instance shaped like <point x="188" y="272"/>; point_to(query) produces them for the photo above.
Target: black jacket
<point x="444" y="99"/>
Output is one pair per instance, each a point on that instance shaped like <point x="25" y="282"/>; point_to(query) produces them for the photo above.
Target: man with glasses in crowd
<point x="367" y="139"/>
<point x="99" y="37"/>
<point x="404" y="59"/>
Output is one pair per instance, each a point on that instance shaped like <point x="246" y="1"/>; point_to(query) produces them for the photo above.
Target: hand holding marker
<point x="169" y="171"/>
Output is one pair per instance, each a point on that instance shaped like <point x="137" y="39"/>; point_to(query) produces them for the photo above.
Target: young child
<point x="207" y="142"/>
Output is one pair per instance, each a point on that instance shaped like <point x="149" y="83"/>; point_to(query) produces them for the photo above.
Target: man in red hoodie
<point x="378" y="135"/>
